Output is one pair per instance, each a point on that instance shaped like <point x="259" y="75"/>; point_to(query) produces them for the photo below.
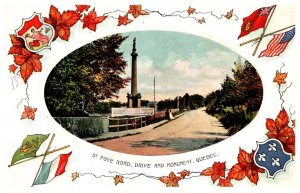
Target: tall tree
<point x="228" y="93"/>
<point x="252" y="88"/>
<point x="85" y="76"/>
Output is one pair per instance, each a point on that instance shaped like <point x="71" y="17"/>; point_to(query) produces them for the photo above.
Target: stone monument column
<point x="134" y="69"/>
<point x="134" y="98"/>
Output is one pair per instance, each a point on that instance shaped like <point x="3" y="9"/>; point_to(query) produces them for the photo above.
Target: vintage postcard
<point x="146" y="96"/>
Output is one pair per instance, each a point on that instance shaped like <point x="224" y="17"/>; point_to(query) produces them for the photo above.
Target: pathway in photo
<point x="194" y="130"/>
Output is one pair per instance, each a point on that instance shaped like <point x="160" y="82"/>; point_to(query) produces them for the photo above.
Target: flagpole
<point x="49" y="152"/>
<point x="263" y="33"/>
<point x="272" y="33"/>
<point x="45" y="154"/>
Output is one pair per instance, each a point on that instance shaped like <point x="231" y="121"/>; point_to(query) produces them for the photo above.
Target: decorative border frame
<point x="281" y="128"/>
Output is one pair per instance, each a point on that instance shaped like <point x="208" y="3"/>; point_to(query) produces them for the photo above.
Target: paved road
<point x="194" y="130"/>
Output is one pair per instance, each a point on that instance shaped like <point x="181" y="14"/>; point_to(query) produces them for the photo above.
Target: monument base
<point x="134" y="101"/>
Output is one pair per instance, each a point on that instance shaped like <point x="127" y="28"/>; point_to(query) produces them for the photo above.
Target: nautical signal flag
<point x="50" y="170"/>
<point x="29" y="147"/>
<point x="278" y="44"/>
<point x="255" y="21"/>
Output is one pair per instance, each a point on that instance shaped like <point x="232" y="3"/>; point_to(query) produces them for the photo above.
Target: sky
<point x="181" y="63"/>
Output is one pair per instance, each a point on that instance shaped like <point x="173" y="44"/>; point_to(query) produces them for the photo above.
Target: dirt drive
<point x="193" y="130"/>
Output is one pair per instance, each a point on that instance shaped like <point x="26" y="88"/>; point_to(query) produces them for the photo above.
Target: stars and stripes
<point x="278" y="44"/>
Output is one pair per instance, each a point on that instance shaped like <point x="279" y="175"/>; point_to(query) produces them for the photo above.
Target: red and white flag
<point x="50" y="170"/>
<point x="255" y="21"/>
<point x="278" y="44"/>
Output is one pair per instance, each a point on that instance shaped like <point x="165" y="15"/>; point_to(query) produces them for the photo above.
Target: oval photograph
<point x="153" y="92"/>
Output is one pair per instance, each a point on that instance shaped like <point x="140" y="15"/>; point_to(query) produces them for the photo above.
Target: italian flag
<point x="50" y="170"/>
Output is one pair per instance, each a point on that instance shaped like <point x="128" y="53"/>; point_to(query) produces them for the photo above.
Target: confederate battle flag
<point x="255" y="21"/>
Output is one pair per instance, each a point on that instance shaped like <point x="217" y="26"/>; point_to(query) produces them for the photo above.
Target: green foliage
<point x="234" y="121"/>
<point x="228" y="93"/>
<point x="103" y="107"/>
<point x="85" y="76"/>
<point x="166" y="104"/>
<point x="196" y="101"/>
<point x="144" y="103"/>
<point x="242" y="94"/>
<point x="213" y="102"/>
<point x="82" y="127"/>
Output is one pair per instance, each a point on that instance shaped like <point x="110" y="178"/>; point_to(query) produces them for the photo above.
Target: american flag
<point x="278" y="44"/>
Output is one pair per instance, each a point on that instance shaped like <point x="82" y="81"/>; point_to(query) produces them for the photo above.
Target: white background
<point x="19" y="178"/>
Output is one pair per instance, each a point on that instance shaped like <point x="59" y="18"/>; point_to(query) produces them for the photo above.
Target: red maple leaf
<point x="62" y="22"/>
<point x="123" y="20"/>
<point x="12" y="68"/>
<point x="171" y="180"/>
<point x="28" y="112"/>
<point x="29" y="62"/>
<point x="224" y="183"/>
<point x="91" y="20"/>
<point x="237" y="172"/>
<point x="81" y="8"/>
<point x="191" y="10"/>
<point x="17" y="44"/>
<point x="289" y="146"/>
<point x="216" y="171"/>
<point x="245" y="167"/>
<point x="136" y="10"/>
<point x="280" y="130"/>
<point x="184" y="173"/>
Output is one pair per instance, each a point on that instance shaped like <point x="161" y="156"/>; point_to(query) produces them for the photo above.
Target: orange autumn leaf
<point x="229" y="14"/>
<point x="62" y="22"/>
<point x="29" y="113"/>
<point x="91" y="20"/>
<point x="207" y="172"/>
<point x="224" y="183"/>
<point x="74" y="176"/>
<point x="201" y="21"/>
<point x="216" y="171"/>
<point x="244" y="158"/>
<point x="12" y="68"/>
<point x="184" y="173"/>
<point x="237" y="172"/>
<point x="289" y="145"/>
<point x="280" y="77"/>
<point x="136" y="10"/>
<point x="171" y="180"/>
<point x="29" y="62"/>
<point x="82" y="8"/>
<point x="280" y="130"/>
<point x="118" y="179"/>
<point x="191" y="10"/>
<point x="17" y="45"/>
<point x="123" y="20"/>
<point x="282" y="119"/>
<point x="245" y="167"/>
<point x="294" y="122"/>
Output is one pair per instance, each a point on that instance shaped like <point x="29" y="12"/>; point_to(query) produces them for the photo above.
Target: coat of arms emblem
<point x="36" y="34"/>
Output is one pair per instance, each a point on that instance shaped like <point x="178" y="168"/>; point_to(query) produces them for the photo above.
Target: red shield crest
<point x="36" y="34"/>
